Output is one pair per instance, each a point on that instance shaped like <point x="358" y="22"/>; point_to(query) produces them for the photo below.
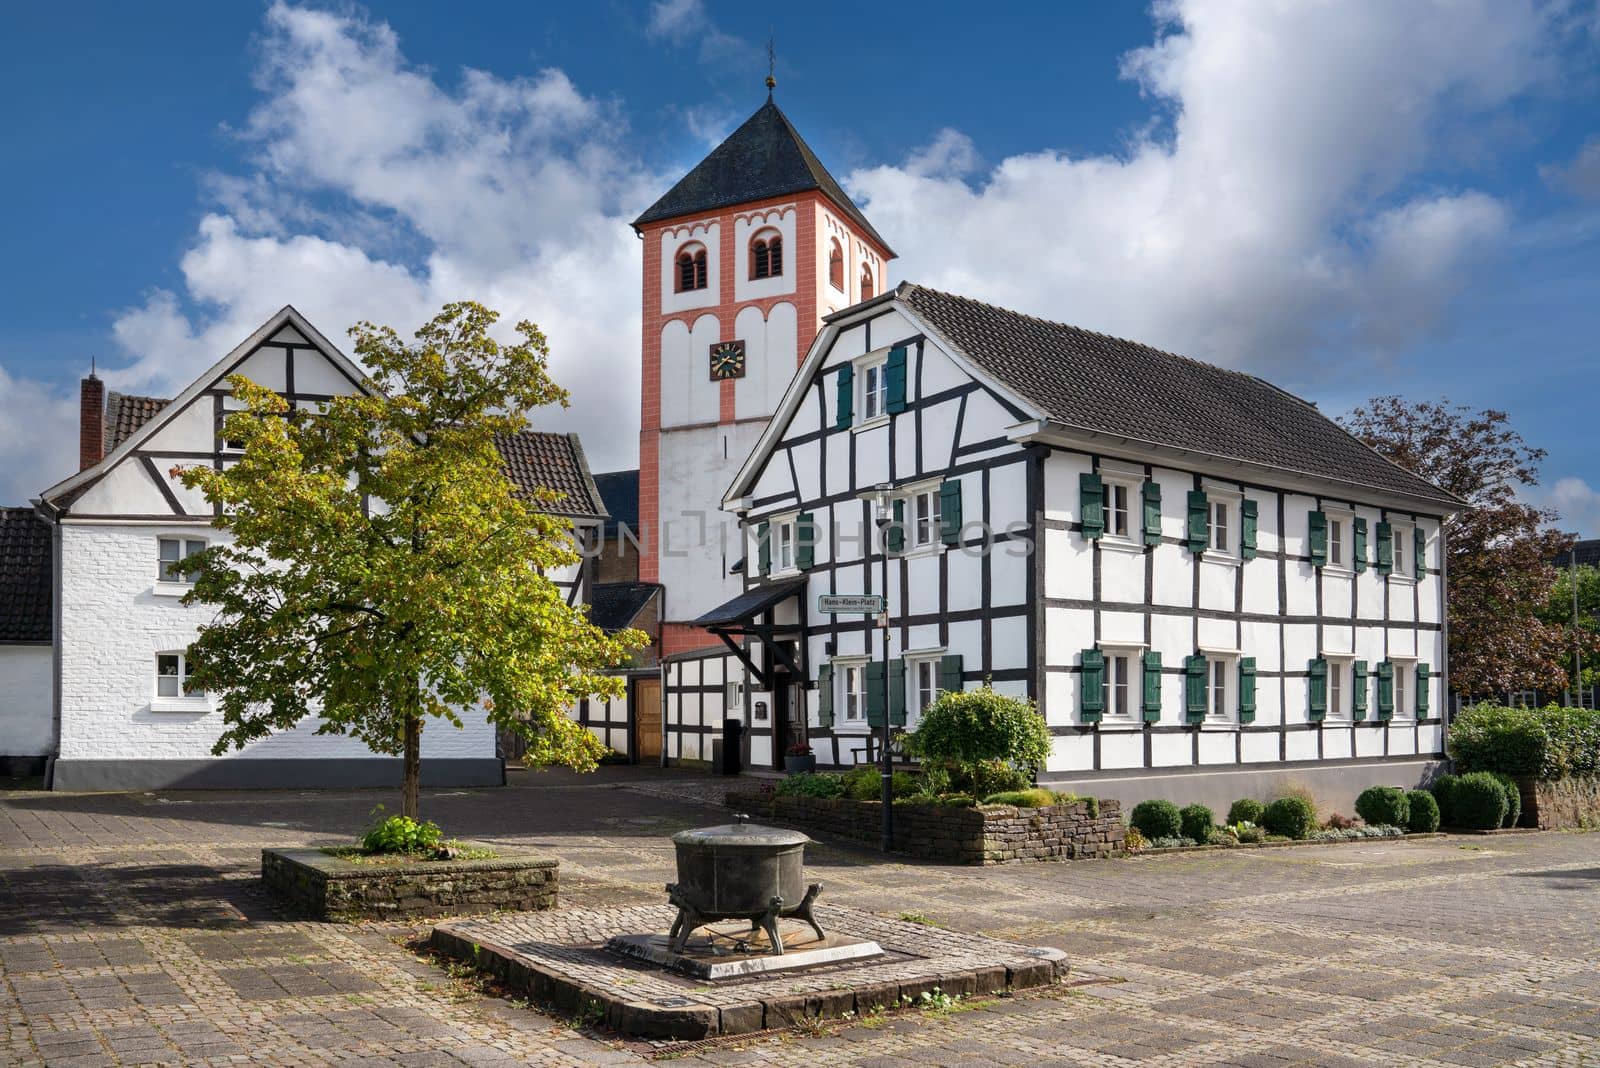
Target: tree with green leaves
<point x="380" y="569"/>
<point x="1498" y="549"/>
<point x="1558" y="611"/>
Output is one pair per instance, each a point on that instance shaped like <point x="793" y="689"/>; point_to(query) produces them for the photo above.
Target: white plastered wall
<point x="26" y="700"/>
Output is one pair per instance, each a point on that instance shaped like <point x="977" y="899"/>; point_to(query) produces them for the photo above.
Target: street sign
<point x="835" y="603"/>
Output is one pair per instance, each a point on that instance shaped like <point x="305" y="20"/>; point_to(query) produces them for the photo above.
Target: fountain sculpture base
<point x="729" y="950"/>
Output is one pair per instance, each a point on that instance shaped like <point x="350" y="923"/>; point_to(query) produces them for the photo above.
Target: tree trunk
<point x="413" y="766"/>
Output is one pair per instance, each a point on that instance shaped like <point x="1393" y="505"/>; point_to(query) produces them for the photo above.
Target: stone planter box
<point x="1572" y="803"/>
<point x="326" y="887"/>
<point x="988" y="834"/>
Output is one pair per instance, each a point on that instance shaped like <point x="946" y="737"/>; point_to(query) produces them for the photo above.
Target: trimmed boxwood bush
<point x="1246" y="810"/>
<point x="1513" y="798"/>
<point x="1037" y="797"/>
<point x="1478" y="801"/>
<point x="1383" y="806"/>
<point x="1197" y="821"/>
<point x="1290" y="817"/>
<point x="1424" y="812"/>
<point x="1443" y="790"/>
<point x="1157" y="819"/>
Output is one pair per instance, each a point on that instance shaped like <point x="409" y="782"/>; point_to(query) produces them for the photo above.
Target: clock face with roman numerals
<point x="727" y="360"/>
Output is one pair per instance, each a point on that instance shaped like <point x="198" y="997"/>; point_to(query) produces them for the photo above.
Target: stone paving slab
<point x="560" y="958"/>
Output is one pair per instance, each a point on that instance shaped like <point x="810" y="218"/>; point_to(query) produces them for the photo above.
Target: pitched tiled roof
<point x="25" y="576"/>
<point x="1110" y="386"/>
<point x="125" y="414"/>
<point x="620" y="492"/>
<point x="538" y="459"/>
<point x="616" y="605"/>
<point x="766" y="157"/>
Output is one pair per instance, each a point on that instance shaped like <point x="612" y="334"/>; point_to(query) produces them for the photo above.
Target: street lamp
<point x="880" y="498"/>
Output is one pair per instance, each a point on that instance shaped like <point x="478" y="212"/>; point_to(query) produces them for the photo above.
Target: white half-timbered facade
<point x="1206" y="585"/>
<point x="121" y="716"/>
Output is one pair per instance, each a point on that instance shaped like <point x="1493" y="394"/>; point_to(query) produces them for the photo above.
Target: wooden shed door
<point x="647" y="719"/>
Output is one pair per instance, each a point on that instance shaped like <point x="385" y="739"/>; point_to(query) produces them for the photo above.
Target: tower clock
<point x="727" y="360"/>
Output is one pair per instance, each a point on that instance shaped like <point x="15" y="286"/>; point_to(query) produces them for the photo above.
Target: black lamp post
<point x="879" y="496"/>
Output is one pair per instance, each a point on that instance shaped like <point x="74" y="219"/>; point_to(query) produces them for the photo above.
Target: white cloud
<point x="685" y="22"/>
<point x="1582" y="175"/>
<point x="1265" y="209"/>
<point x="1579" y="505"/>
<point x="38" y="437"/>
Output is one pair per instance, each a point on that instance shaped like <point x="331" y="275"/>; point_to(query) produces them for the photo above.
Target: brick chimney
<point x="91" y="422"/>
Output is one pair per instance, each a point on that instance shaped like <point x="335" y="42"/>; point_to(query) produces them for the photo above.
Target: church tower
<point x="742" y="259"/>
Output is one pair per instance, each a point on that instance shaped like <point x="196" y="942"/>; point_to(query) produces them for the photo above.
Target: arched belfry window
<point x="766" y="255"/>
<point x="691" y="268"/>
<point x="867" y="288"/>
<point x="836" y="265"/>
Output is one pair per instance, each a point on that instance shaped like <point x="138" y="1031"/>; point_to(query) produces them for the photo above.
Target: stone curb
<point x="1419" y="836"/>
<point x="322" y="886"/>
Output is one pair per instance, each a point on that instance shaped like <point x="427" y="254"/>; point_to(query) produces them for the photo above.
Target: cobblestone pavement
<point x="132" y="931"/>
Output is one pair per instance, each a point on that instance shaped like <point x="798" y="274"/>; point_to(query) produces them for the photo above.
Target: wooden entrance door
<point x="647" y="720"/>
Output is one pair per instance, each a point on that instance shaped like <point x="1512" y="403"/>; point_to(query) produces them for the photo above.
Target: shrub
<point x="811" y="784"/>
<point x="1513" y="798"/>
<point x="1443" y="790"/>
<point x="402" y="834"/>
<point x="1035" y="797"/>
<point x="958" y="800"/>
<point x="1478" y="801"/>
<point x="1157" y="819"/>
<point x="863" y="783"/>
<point x="1290" y="817"/>
<point x="988" y="777"/>
<point x="1248" y="833"/>
<point x="1383" y="806"/>
<point x="1549" y="742"/>
<point x="1338" y="822"/>
<point x="1134" y="841"/>
<point x="1424" y="816"/>
<point x="1245" y="810"/>
<point x="1197" y="822"/>
<point x="982" y="737"/>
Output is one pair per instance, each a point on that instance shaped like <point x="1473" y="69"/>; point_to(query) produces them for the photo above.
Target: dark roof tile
<point x="620" y="492"/>
<point x="538" y="459"/>
<point x="615" y="605"/>
<point x="126" y="414"/>
<point x="25" y="577"/>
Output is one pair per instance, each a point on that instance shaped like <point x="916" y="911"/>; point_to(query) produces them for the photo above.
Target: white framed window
<point x="733" y="696"/>
<point x="1118" y="498"/>
<point x="1341" y="677"/>
<point x="171" y="550"/>
<point x="1222" y="697"/>
<point x="1336" y="554"/>
<point x="1403" y="568"/>
<point x="1221" y="531"/>
<point x="924" y="681"/>
<point x="923" y="511"/>
<point x="172" y="677"/>
<point x="874" y="399"/>
<point x="1223" y="516"/>
<point x="782" y="543"/>
<point x="852" y="677"/>
<point x="1404" y="675"/>
<point x="1122" y="682"/>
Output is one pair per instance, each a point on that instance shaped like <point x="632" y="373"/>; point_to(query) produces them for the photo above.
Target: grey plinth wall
<point x="326" y="887"/>
<point x="990" y="834"/>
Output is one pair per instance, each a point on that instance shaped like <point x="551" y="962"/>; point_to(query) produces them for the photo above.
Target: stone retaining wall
<point x="326" y="887"/>
<point x="1572" y="803"/>
<point x="990" y="834"/>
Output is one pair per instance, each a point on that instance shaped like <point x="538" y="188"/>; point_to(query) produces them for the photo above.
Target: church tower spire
<point x="742" y="259"/>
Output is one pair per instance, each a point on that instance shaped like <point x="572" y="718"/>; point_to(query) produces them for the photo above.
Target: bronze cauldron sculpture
<point x="740" y="871"/>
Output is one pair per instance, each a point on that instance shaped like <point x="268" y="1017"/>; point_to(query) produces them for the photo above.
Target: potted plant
<point x="799" y="757"/>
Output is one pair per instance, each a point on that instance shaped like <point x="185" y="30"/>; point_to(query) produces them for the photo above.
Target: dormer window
<point x="836" y="265"/>
<point x="691" y="268"/>
<point x="766" y="255"/>
<point x="867" y="287"/>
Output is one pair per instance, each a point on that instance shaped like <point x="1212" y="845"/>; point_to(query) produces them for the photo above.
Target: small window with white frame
<point x="172" y="677"/>
<point x="1402" y="550"/>
<point x="169" y="552"/>
<point x="1221" y="530"/>
<point x="1121" y="686"/>
<point x="1404" y="679"/>
<point x="1341" y="674"/>
<point x="1119" y="513"/>
<point x="924" y="516"/>
<point x="1221" y="697"/>
<point x="874" y="378"/>
<point x="924" y="682"/>
<point x="1222" y="514"/>
<point x="783" y="544"/>
<point x="852" y="675"/>
<point x="733" y="697"/>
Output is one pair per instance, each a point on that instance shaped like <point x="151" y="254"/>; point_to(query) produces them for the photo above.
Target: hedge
<point x="1197" y="822"/>
<point x="1246" y="810"/>
<point x="1291" y="817"/>
<point x="1513" y="798"/>
<point x="1383" y="806"/>
<point x="1424" y="812"/>
<point x="1478" y="801"/>
<point x="1550" y="743"/>
<point x="1443" y="790"/>
<point x="1156" y="819"/>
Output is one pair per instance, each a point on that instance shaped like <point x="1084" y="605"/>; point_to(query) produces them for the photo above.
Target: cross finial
<point x="772" y="65"/>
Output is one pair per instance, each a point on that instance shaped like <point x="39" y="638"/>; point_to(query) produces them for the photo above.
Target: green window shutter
<point x="1317" y="525"/>
<point x="874" y="686"/>
<point x="1419" y="545"/>
<point x="950" y="673"/>
<point x="1385" y="549"/>
<point x="895" y="536"/>
<point x="1385" y="689"/>
<point x="950" y="512"/>
<point x="1248" y="511"/>
<point x="1199" y="521"/>
<point x="1423" y="698"/>
<point x="847" y="398"/>
<point x="1194" y="688"/>
<point x="764" y="547"/>
<point x="1247" y="689"/>
<point x="825" y="696"/>
<point x="1319" y="690"/>
<point x="1358" y="552"/>
<point x="805" y="532"/>
<point x="897" y="693"/>
<point x="896" y="370"/>
<point x="1152" y="512"/>
<point x="1091" y="504"/>
<point x="1151" y="701"/>
<point x="1092" y="686"/>
<point x="1358" y="680"/>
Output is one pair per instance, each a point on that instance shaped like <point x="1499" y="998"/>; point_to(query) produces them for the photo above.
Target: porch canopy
<point x="750" y="615"/>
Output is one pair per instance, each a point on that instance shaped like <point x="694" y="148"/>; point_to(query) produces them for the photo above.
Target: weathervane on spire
<point x="772" y="65"/>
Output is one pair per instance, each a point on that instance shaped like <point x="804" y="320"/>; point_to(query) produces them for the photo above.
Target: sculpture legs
<point x="803" y="910"/>
<point x="769" y="923"/>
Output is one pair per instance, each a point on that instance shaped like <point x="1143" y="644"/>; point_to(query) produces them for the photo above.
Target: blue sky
<point x="1350" y="199"/>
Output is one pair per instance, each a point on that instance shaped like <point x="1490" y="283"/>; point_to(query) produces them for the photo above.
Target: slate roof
<point x="25" y="577"/>
<point x="555" y="462"/>
<point x="619" y="490"/>
<point x="126" y="413"/>
<point x="751" y="603"/>
<point x="1116" y="387"/>
<point x="615" y="605"/>
<point x="766" y="157"/>
<point x="1588" y="554"/>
